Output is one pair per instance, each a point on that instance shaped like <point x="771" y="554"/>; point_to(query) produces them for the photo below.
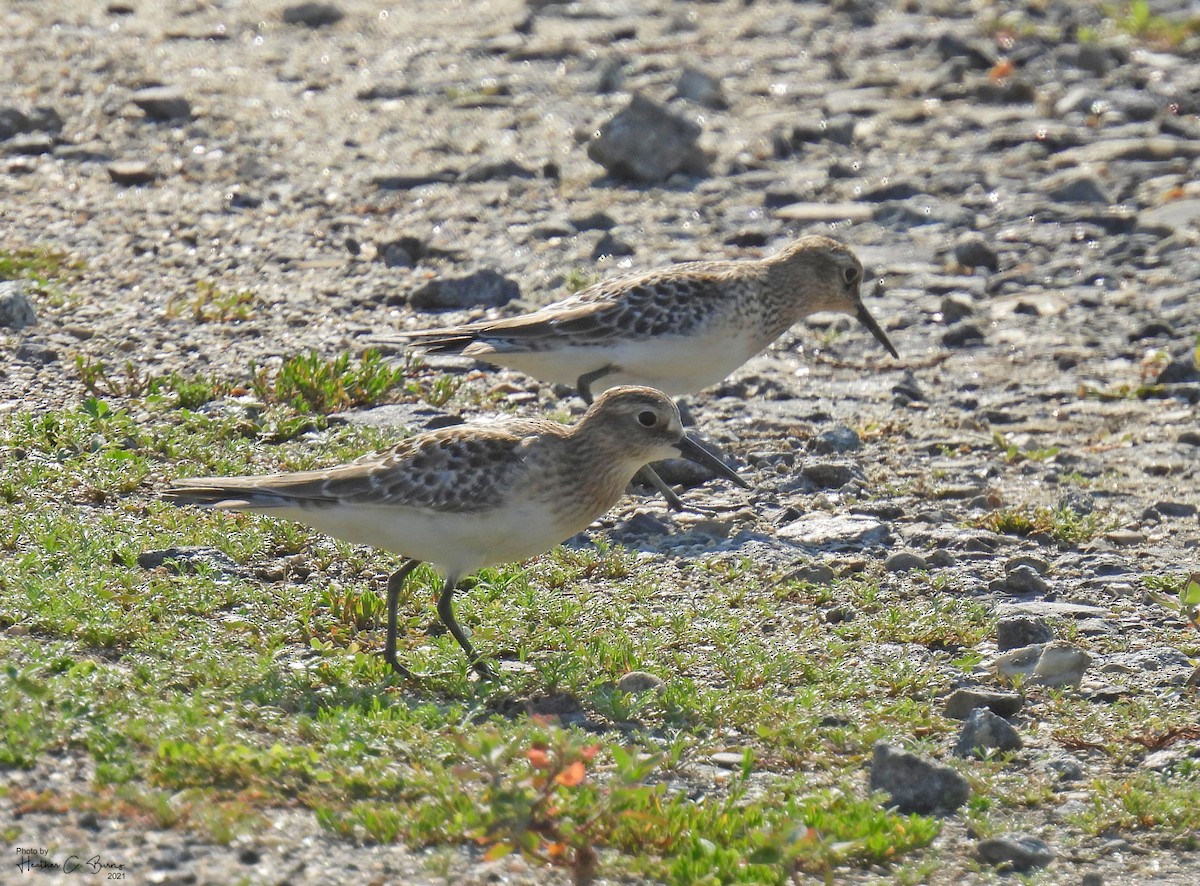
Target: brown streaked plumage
<point x="471" y="496"/>
<point x="678" y="329"/>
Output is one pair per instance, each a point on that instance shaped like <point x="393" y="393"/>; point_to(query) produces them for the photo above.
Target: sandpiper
<point x="678" y="329"/>
<point x="471" y="496"/>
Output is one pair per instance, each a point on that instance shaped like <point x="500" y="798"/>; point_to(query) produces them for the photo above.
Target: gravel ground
<point x="1029" y="206"/>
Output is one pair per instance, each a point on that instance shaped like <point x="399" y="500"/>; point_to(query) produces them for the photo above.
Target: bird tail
<point x="219" y="493"/>
<point x="430" y="341"/>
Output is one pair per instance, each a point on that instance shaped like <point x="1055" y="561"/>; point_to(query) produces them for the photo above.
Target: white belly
<point x="674" y="364"/>
<point x="457" y="544"/>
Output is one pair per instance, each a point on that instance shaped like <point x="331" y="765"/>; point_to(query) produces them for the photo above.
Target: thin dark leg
<point x="647" y="475"/>
<point x="395" y="583"/>
<point x="445" y="611"/>
<point x="584" y="383"/>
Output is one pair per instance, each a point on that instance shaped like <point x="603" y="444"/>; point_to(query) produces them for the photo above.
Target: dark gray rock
<point x="1079" y="187"/>
<point x="973" y="251"/>
<point x="14" y="122"/>
<point x="16" y="310"/>
<point x="1025" y="580"/>
<point x="493" y="170"/>
<point x="915" y="783"/>
<point x="1175" y="509"/>
<point x="835" y="440"/>
<point x="610" y="244"/>
<point x="1018" y="852"/>
<point x="813" y="574"/>
<point x="1016" y="631"/>
<point x="962" y="334"/>
<point x="163" y="103"/>
<point x="312" y="15"/>
<point x="1065" y="767"/>
<point x="647" y="143"/>
<point x="189" y="560"/>
<point x="484" y="288"/>
<point x="1038" y="564"/>
<point x="956" y="307"/>
<point x="831" y="474"/>
<point x="961" y="702"/>
<point x="984" y="731"/>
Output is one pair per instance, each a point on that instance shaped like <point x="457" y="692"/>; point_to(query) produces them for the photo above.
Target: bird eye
<point x="647" y="419"/>
<point x="850" y="275"/>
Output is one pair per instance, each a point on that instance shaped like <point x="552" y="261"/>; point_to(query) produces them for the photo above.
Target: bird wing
<point x="671" y="301"/>
<point x="460" y="469"/>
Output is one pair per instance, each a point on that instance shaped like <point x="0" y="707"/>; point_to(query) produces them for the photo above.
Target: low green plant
<point x="311" y="384"/>
<point x="212" y="304"/>
<point x="1065" y="525"/>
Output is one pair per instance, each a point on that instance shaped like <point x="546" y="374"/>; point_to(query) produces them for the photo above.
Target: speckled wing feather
<point x="462" y="469"/>
<point x="671" y="301"/>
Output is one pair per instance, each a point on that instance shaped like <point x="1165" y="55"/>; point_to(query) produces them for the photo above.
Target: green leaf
<point x="1190" y="595"/>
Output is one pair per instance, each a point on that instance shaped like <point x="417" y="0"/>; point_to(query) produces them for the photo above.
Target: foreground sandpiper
<point x="471" y="496"/>
<point x="678" y="329"/>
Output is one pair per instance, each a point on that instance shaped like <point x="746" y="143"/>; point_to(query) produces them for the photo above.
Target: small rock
<point x="608" y="244"/>
<point x="249" y="855"/>
<point x="1020" y="852"/>
<point x="1082" y="503"/>
<point x="1124" y="538"/>
<point x="703" y="89"/>
<point x="956" y="307"/>
<point x="727" y="759"/>
<point x="638" y="682"/>
<point x="1034" y="562"/>
<point x="1175" y="509"/>
<point x="647" y="143"/>
<point x="813" y="574"/>
<point x="1025" y="580"/>
<point x="904" y="561"/>
<point x="821" y="530"/>
<point x="972" y="250"/>
<point x="130" y="172"/>
<point x="915" y="783"/>
<point x="1017" y="631"/>
<point x="188" y="560"/>
<point x="962" y="334"/>
<point x="961" y="702"/>
<point x="984" y="731"/>
<point x="484" y="288"/>
<point x="831" y="475"/>
<point x="1078" y="188"/>
<point x="641" y="524"/>
<point x="835" y="440"/>
<point x="16" y="310"/>
<point x="1065" y="767"/>
<point x="313" y="15"/>
<point x="1046" y="664"/>
<point x="163" y="103"/>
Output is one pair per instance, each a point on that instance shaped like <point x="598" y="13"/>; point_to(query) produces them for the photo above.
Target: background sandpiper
<point x="678" y="329"/>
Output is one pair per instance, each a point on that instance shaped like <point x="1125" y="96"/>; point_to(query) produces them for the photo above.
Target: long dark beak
<point x="693" y="450"/>
<point x="865" y="318"/>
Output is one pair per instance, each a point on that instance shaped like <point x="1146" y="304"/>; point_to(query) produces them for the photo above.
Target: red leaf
<point x="574" y="774"/>
<point x="538" y="758"/>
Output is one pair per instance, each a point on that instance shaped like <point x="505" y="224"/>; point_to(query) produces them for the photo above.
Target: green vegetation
<point x="311" y="384"/>
<point x="37" y="264"/>
<point x="211" y="304"/>
<point x="207" y="701"/>
<point x="1066" y="526"/>
<point x="578" y="278"/>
